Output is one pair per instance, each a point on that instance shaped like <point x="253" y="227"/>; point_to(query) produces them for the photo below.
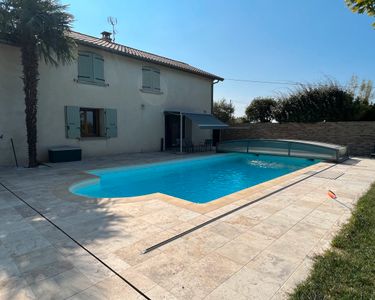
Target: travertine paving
<point x="259" y="252"/>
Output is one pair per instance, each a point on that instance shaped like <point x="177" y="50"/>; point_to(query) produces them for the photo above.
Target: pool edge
<point x="234" y="199"/>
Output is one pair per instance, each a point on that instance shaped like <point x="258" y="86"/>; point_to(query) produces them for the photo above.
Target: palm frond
<point x="44" y="23"/>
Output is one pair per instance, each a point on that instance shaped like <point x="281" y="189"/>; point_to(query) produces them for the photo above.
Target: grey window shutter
<point x="85" y="68"/>
<point x="98" y="63"/>
<point x="72" y="122"/>
<point x="146" y="78"/>
<point x="110" y="119"/>
<point x="156" y="79"/>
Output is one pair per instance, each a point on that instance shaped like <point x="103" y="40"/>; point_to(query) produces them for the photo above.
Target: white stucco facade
<point x="140" y="115"/>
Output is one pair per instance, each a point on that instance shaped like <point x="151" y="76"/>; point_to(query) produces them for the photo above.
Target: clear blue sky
<point x="267" y="40"/>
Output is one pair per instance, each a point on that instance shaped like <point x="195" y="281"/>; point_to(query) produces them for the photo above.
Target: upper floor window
<point x="150" y="80"/>
<point x="90" y="68"/>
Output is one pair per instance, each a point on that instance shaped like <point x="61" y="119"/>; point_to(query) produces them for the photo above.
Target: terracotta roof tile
<point x="138" y="54"/>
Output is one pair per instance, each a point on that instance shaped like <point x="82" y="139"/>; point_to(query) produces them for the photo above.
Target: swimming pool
<point x="198" y="180"/>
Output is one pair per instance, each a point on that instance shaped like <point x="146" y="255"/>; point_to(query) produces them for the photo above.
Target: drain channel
<point x="230" y="212"/>
<point x="78" y="243"/>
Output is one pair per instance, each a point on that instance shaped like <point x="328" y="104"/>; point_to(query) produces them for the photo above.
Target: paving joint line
<point x="158" y="245"/>
<point x="302" y="261"/>
<point x="75" y="241"/>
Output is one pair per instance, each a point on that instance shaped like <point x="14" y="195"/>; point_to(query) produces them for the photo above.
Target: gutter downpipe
<point x="212" y="94"/>
<point x="212" y="106"/>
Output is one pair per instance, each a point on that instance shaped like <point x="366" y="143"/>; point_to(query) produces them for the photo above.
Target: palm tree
<point x="41" y="29"/>
<point x="362" y="7"/>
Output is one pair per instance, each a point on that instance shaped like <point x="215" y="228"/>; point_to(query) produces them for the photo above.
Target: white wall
<point x="140" y="128"/>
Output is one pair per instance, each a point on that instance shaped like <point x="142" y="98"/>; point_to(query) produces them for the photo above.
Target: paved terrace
<point x="259" y="252"/>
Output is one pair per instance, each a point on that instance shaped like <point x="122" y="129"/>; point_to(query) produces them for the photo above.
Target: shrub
<point x="223" y="110"/>
<point x="260" y="110"/>
<point x="324" y="102"/>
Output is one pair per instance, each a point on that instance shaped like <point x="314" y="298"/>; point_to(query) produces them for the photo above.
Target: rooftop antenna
<point x="113" y="21"/>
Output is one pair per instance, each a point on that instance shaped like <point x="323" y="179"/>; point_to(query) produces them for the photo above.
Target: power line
<point x="280" y="82"/>
<point x="265" y="82"/>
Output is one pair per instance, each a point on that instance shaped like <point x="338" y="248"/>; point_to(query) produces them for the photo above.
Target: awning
<point x="204" y="121"/>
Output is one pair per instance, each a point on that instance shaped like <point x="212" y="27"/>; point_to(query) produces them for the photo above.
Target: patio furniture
<point x="208" y="144"/>
<point x="187" y="146"/>
<point x="204" y="146"/>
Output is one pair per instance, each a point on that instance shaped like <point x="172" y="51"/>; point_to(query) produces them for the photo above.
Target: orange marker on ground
<point x="331" y="194"/>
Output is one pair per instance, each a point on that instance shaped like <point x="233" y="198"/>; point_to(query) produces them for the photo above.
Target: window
<point x="90" y="122"/>
<point x="150" y="80"/>
<point x="91" y="68"/>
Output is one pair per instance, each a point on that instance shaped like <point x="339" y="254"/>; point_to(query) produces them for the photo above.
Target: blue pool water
<point x="197" y="180"/>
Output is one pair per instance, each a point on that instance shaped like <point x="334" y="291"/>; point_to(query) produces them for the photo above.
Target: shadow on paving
<point x="39" y="261"/>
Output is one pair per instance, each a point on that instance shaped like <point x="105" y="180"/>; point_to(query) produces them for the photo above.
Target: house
<point x="112" y="99"/>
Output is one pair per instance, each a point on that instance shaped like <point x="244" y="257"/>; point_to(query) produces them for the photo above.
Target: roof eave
<point x="211" y="76"/>
<point x="78" y="41"/>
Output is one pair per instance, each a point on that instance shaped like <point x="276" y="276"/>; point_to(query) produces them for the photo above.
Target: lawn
<point x="347" y="270"/>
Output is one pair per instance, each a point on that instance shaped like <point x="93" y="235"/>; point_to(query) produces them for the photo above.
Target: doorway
<point x="215" y="137"/>
<point x="172" y="130"/>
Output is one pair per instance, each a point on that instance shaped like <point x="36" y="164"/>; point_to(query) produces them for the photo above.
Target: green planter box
<point x="64" y="154"/>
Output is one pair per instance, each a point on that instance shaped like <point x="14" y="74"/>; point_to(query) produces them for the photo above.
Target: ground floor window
<point x="90" y="122"/>
<point x="86" y="122"/>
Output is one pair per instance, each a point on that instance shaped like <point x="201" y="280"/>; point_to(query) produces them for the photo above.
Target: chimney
<point x="106" y="36"/>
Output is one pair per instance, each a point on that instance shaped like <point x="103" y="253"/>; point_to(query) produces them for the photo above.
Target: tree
<point x="363" y="92"/>
<point x="260" y="110"/>
<point x="40" y="28"/>
<point x="362" y="7"/>
<point x="224" y="110"/>
<point x="311" y="103"/>
<point x="363" y="95"/>
<point x="240" y="120"/>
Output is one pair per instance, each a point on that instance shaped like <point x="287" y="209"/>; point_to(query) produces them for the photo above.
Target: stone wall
<point x="358" y="136"/>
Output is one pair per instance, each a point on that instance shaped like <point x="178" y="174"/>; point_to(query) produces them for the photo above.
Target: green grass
<point x="347" y="270"/>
